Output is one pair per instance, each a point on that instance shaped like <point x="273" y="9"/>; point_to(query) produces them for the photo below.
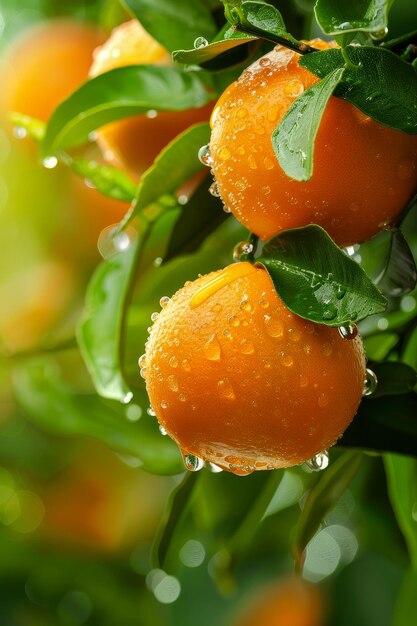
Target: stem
<point x="66" y="344"/>
<point x="348" y="62"/>
<point x="289" y="42"/>
<point x="400" y="42"/>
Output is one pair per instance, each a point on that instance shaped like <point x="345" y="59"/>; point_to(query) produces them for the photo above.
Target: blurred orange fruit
<point x="238" y="380"/>
<point x="133" y="143"/>
<point x="46" y="64"/>
<point x="291" y="602"/>
<point x="364" y="173"/>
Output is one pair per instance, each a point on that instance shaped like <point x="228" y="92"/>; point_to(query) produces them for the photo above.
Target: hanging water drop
<point x="348" y="332"/>
<point x="215" y="469"/>
<point x="50" y="162"/>
<point x="370" y="383"/>
<point x="242" y="249"/>
<point x="150" y="411"/>
<point x="154" y="316"/>
<point x="204" y="155"/>
<point x="200" y="42"/>
<point x="164" y="301"/>
<point x="214" y="190"/>
<point x="319" y="461"/>
<point x="379" y="34"/>
<point x="162" y="430"/>
<point x="193" y="463"/>
<point x="127" y="398"/>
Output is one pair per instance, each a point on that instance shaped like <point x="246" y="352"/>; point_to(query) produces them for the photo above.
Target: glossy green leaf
<point x="34" y="128"/>
<point x="263" y="16"/>
<point x="230" y="39"/>
<point x="405" y="608"/>
<point x="323" y="496"/>
<point x="101" y="326"/>
<point x="386" y="424"/>
<point x="336" y="17"/>
<point x="377" y="347"/>
<point x="317" y="281"/>
<point x="293" y="140"/>
<point x="120" y="93"/>
<point x="177" y="505"/>
<point x="177" y="162"/>
<point x="202" y="214"/>
<point x="174" y="25"/>
<point x="402" y="489"/>
<point x="381" y="85"/>
<point x="109" y="181"/>
<point x="58" y="408"/>
<point x="393" y="378"/>
<point x="400" y="274"/>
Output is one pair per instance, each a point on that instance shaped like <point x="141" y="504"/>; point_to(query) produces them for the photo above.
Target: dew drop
<point x="370" y="383"/>
<point x="212" y="350"/>
<point x="200" y="42"/>
<point x="319" y="461"/>
<point x="245" y="305"/>
<point x="150" y="411"/>
<point x="246" y="347"/>
<point x="323" y="400"/>
<point x="327" y="349"/>
<point x="303" y="381"/>
<point x="204" y="155"/>
<point x="50" y="162"/>
<point x="154" y="316"/>
<point x="127" y="398"/>
<point x="186" y="366"/>
<point x="162" y="430"/>
<point x="164" y="301"/>
<point x="286" y="359"/>
<point x="214" y="190"/>
<point x="293" y="88"/>
<point x="226" y="209"/>
<point x="242" y="249"/>
<point x="379" y="34"/>
<point x="348" y="332"/>
<point x="192" y="463"/>
<point x="182" y="398"/>
<point x="142" y="361"/>
<point x="151" y="114"/>
<point x="274" y="328"/>
<point x="215" y="469"/>
<point x="234" y="321"/>
<point x="164" y="404"/>
<point x="252" y="162"/>
<point x="173" y="362"/>
<point x="20" y="132"/>
<point x="329" y="312"/>
<point x="172" y="383"/>
<point x="294" y="335"/>
<point x="143" y="372"/>
<point x="268" y="163"/>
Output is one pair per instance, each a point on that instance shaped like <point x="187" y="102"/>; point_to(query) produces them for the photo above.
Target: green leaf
<point x="323" y="496"/>
<point x="335" y="17"/>
<point x="173" y="25"/>
<point x="405" y="608"/>
<point x="393" y="378"/>
<point x="263" y="16"/>
<point x="58" y="408"/>
<point x="35" y="128"/>
<point x="109" y="181"/>
<point x="202" y="214"/>
<point x="381" y="85"/>
<point x="293" y="140"/>
<point x="400" y="274"/>
<point x="377" y="347"/>
<point x="101" y="326"/>
<point x="317" y="281"/>
<point x="386" y="424"/>
<point x="177" y="505"/>
<point x="409" y="354"/>
<point x="197" y="56"/>
<point x="177" y="162"/>
<point x="402" y="489"/>
<point x="120" y="93"/>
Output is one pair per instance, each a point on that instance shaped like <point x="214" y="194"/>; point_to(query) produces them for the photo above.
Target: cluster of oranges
<point x="233" y="376"/>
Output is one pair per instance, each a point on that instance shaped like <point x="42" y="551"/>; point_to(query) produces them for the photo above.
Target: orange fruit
<point x="46" y="64"/>
<point x="363" y="173"/>
<point x="133" y="143"/>
<point x="291" y="602"/>
<point x="238" y="380"/>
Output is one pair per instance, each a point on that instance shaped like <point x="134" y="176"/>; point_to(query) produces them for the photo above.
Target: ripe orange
<point x="364" y="173"/>
<point x="134" y="143"/>
<point x="46" y="64"/>
<point x="238" y="380"/>
<point x="291" y="602"/>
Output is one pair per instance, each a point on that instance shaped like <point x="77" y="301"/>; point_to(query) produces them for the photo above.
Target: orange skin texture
<point x="133" y="143"/>
<point x="46" y="64"/>
<point x="242" y="382"/>
<point x="293" y="602"/>
<point x="364" y="173"/>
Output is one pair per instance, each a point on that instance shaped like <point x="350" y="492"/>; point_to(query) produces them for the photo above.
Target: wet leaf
<point x="380" y="84"/>
<point x="117" y="94"/>
<point x="400" y="274"/>
<point x="331" y="483"/>
<point x="229" y="40"/>
<point x="393" y="378"/>
<point x="317" y="281"/>
<point x="109" y="181"/>
<point x="35" y="128"/>
<point x="293" y="140"/>
<point x="263" y="16"/>
<point x="58" y="408"/>
<point x="336" y="17"/>
<point x="402" y="489"/>
<point x="174" y="26"/>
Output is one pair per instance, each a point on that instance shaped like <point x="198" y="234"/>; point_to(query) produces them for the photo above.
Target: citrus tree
<point x="251" y="327"/>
